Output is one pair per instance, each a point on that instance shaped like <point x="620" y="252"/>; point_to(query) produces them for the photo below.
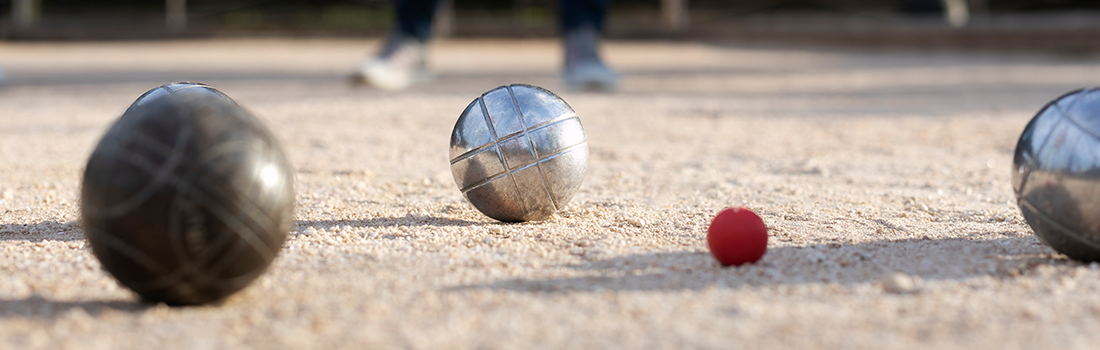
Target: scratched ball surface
<point x="519" y="153"/>
<point x="1056" y="174"/>
<point x="737" y="236"/>
<point x="187" y="199"/>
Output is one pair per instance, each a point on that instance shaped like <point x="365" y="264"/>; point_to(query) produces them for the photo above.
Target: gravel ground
<point x="882" y="175"/>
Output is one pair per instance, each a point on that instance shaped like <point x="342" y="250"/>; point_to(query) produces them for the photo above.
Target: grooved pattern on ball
<point x="471" y="130"/>
<point x="537" y="106"/>
<point x="482" y="166"/>
<point x="1056" y="174"/>
<point x="1031" y="141"/>
<point x="1080" y="111"/>
<point x="517" y="151"/>
<point x="187" y="199"/>
<point x="501" y="108"/>
<point x="515" y="174"/>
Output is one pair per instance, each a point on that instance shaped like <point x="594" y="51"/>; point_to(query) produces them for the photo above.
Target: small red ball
<point x="737" y="236"/>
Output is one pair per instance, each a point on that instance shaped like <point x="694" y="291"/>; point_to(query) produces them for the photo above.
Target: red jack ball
<point x="737" y="236"/>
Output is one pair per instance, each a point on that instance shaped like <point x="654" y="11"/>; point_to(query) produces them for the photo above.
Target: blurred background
<point x="1068" y="25"/>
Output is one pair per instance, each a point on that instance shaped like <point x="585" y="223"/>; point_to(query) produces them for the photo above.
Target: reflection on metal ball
<point x="178" y="88"/>
<point x="187" y="198"/>
<point x="518" y="153"/>
<point x="1056" y="174"/>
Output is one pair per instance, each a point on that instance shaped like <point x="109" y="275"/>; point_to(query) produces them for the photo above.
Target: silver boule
<point x="179" y="88"/>
<point x="518" y="153"/>
<point x="1056" y="174"/>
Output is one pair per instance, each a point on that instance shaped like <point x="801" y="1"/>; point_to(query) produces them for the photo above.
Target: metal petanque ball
<point x="187" y="198"/>
<point x="178" y="88"/>
<point x="518" y="153"/>
<point x="1056" y="174"/>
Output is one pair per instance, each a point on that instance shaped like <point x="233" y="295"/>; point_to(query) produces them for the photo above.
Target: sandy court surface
<point x="883" y="176"/>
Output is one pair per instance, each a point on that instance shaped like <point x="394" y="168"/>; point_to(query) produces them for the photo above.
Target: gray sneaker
<point x="584" y="70"/>
<point x="401" y="63"/>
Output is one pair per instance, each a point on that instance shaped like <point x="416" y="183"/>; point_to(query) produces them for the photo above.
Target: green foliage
<point x="342" y="16"/>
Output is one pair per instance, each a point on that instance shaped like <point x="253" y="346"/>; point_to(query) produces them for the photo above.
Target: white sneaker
<point x="401" y="63"/>
<point x="590" y="75"/>
<point x="584" y="70"/>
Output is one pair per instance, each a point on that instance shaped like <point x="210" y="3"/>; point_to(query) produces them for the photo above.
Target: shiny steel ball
<point x="1056" y="174"/>
<point x="518" y="153"/>
<point x="179" y="88"/>
<point x="187" y="199"/>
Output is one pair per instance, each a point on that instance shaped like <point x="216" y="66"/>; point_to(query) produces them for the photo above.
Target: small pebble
<point x="898" y="283"/>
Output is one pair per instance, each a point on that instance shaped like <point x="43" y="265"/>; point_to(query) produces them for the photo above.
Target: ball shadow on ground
<point x="72" y="231"/>
<point x="844" y="264"/>
<point x="407" y="220"/>
<point x="43" y="231"/>
<point x="37" y="306"/>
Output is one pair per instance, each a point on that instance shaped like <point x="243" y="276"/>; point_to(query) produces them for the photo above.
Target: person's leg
<point x="414" y="18"/>
<point x="576" y="14"/>
<point x="581" y="24"/>
<point x="402" y="59"/>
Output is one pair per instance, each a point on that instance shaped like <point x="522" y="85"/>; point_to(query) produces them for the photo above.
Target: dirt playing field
<point x="882" y="175"/>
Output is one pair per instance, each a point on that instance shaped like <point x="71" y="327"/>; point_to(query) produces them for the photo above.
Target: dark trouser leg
<point x="921" y="6"/>
<point x="402" y="60"/>
<point x="414" y="18"/>
<point x="576" y="14"/>
<point x="581" y="24"/>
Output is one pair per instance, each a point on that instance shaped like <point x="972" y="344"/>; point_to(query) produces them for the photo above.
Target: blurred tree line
<point x="225" y="6"/>
<point x="143" y="18"/>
